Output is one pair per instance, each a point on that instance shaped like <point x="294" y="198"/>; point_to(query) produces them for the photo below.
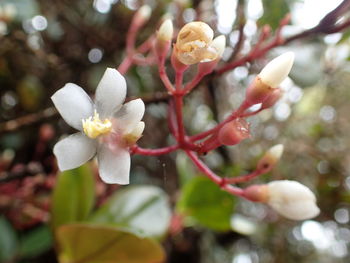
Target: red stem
<point x="193" y="83"/>
<point x="172" y="119"/>
<point x="212" y="176"/>
<point x="131" y="38"/>
<point x="178" y="80"/>
<point x="179" y="119"/>
<point x="244" y="178"/>
<point x="153" y="152"/>
<point x="209" y="144"/>
<point x="164" y="77"/>
<point x="125" y="65"/>
<point x="147" y="45"/>
<point x="236" y="114"/>
<point x="178" y="98"/>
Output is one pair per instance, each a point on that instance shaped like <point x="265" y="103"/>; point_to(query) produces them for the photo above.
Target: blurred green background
<point x="169" y="213"/>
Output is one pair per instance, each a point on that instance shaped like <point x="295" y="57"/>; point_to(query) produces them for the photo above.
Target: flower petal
<point x="128" y="117"/>
<point x="73" y="104"/>
<point x="110" y="93"/>
<point x="73" y="151"/>
<point x="114" y="164"/>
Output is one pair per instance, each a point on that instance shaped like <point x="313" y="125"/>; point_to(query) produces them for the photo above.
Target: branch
<point x="328" y="25"/>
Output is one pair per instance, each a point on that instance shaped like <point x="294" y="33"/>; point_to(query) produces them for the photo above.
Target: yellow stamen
<point x="94" y="127"/>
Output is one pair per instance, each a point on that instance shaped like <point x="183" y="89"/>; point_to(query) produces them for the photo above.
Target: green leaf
<point x="73" y="196"/>
<point x="144" y="209"/>
<point x="101" y="244"/>
<point x="8" y="240"/>
<point x="274" y="11"/>
<point x="205" y="203"/>
<point x="185" y="168"/>
<point x="35" y="242"/>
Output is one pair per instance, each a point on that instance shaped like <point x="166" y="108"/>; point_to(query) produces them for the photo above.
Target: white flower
<point x="193" y="44"/>
<point x="107" y="128"/>
<point x="292" y="200"/>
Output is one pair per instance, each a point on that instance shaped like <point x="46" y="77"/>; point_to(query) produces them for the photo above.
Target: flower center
<point x="94" y="127"/>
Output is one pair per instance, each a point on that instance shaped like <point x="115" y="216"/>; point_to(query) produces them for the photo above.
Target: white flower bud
<point x="292" y="200"/>
<point x="145" y="12"/>
<point x="269" y="78"/>
<point x="270" y="158"/>
<point x="277" y="70"/>
<point x="276" y="151"/>
<point x="166" y="30"/>
<point x="141" y="16"/>
<point x="219" y="43"/>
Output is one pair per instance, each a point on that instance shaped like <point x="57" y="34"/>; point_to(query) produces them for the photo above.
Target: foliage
<point x="204" y="202"/>
<point x="134" y="208"/>
<point x="101" y="244"/>
<point x="73" y="197"/>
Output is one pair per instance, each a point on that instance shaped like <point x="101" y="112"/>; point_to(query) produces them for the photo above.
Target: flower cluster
<point x="109" y="129"/>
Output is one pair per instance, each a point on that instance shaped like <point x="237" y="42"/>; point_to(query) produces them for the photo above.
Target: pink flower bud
<point x="234" y="132"/>
<point x="271" y="99"/>
<point x="256" y="193"/>
<point x="257" y="91"/>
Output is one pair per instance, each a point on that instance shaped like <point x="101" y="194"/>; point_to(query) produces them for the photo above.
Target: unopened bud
<point x="269" y="78"/>
<point x="234" y="132"/>
<point x="277" y="70"/>
<point x="271" y="99"/>
<point x="193" y="44"/>
<point x="292" y="200"/>
<point x="270" y="158"/>
<point x="142" y="15"/>
<point x="163" y="41"/>
<point x="166" y="30"/>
